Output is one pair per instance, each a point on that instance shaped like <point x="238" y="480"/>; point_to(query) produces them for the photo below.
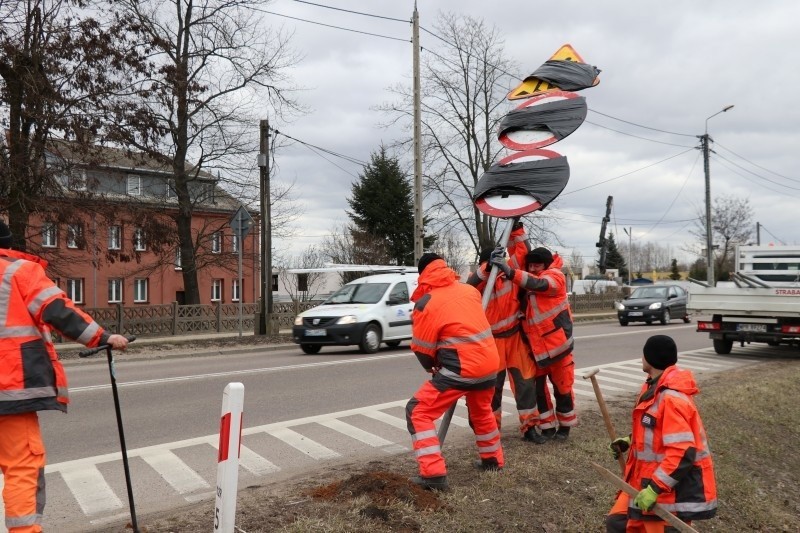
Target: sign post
<point x="230" y="437"/>
<point x="241" y="224"/>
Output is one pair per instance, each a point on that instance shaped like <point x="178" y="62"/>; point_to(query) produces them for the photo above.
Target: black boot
<point x="562" y="433"/>
<point x="539" y="438"/>
<point x="487" y="465"/>
<point x="431" y="483"/>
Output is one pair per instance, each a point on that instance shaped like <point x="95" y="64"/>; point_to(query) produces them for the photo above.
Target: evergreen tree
<point x="675" y="274"/>
<point x="614" y="259"/>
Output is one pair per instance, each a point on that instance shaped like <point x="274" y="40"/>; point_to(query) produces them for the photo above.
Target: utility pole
<point x="709" y="239"/>
<point x="629" y="231"/>
<point x="758" y="233"/>
<point x="419" y="230"/>
<point x="266" y="232"/>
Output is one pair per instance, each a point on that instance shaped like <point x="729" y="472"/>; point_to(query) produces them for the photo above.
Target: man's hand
<point x="646" y="498"/>
<point x="620" y="446"/>
<point x="118" y="342"/>
<point x="497" y="253"/>
<point x="503" y="266"/>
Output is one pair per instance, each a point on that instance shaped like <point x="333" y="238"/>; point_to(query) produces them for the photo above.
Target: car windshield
<point x="358" y="293"/>
<point x="650" y="292"/>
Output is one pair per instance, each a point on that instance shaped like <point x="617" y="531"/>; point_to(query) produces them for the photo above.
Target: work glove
<point x="620" y="446"/>
<point x="503" y="266"/>
<point x="646" y="498"/>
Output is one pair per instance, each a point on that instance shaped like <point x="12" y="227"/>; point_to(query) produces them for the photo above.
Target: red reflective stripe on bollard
<point x="224" y="437"/>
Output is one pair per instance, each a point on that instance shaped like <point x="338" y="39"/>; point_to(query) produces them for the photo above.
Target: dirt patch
<point x="380" y="488"/>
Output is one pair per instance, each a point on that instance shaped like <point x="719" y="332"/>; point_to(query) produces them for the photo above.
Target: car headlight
<point x="656" y="305"/>
<point x="619" y="306"/>
<point x="298" y="320"/>
<point x="347" y="319"/>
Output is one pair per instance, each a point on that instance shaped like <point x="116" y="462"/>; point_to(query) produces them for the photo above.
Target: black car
<point x="655" y="302"/>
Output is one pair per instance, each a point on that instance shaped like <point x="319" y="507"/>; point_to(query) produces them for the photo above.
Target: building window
<point x="235" y="291"/>
<point x="274" y="283"/>
<point x="114" y="237"/>
<point x="49" y="235"/>
<point x="139" y="243"/>
<point x="171" y="189"/>
<point x="216" y="242"/>
<point x="135" y="185"/>
<point x="140" y="290"/>
<point x="75" y="290"/>
<point x="178" y="264"/>
<point x="77" y="181"/>
<point x="74" y="234"/>
<point x="235" y="244"/>
<point x="216" y="290"/>
<point x="114" y="291"/>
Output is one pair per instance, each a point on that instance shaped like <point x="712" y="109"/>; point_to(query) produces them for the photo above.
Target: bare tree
<point x="458" y="254"/>
<point x="731" y="224"/>
<point x="216" y="64"/>
<point x="349" y="246"/>
<point x="304" y="287"/>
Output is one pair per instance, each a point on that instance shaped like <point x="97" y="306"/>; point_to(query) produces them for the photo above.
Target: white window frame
<point x="75" y="290"/>
<point x="178" y="258"/>
<point x="235" y="243"/>
<point x="140" y="288"/>
<point x="139" y="243"/>
<point x="74" y="232"/>
<point x="216" y="242"/>
<point x="115" y="288"/>
<point x="49" y="235"/>
<point x="134" y="185"/>
<point x="235" y="290"/>
<point x="216" y="290"/>
<point x="115" y="237"/>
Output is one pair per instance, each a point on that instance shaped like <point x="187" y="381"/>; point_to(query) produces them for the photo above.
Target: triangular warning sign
<point x="531" y="86"/>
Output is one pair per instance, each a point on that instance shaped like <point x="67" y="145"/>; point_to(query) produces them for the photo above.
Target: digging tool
<point x="112" y="373"/>
<point x="604" y="409"/>
<point x="487" y="295"/>
<point x="662" y="513"/>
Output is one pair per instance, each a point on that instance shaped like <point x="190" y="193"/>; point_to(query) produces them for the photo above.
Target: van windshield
<point x="358" y="293"/>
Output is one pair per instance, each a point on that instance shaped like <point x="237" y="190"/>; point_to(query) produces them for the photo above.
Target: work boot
<point x="539" y="438"/>
<point x="430" y="483"/>
<point x="562" y="433"/>
<point x="487" y="465"/>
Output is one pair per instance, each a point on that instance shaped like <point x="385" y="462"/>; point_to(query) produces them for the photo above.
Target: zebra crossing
<point x="187" y="469"/>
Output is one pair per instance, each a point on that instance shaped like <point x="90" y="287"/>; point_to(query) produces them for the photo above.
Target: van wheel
<point x="723" y="347"/>
<point x="371" y="339"/>
<point x="665" y="318"/>
<point x="311" y="349"/>
<point x="392" y="344"/>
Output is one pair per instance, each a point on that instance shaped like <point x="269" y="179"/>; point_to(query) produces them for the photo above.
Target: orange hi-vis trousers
<point x="617" y="520"/>
<point x="515" y="359"/>
<point x="428" y="404"/>
<point x="562" y="376"/>
<point x="22" y="461"/>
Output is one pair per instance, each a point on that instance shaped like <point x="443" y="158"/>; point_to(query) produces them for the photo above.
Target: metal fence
<point x="173" y="319"/>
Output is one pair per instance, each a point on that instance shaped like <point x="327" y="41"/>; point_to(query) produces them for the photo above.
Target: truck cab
<point x="364" y="312"/>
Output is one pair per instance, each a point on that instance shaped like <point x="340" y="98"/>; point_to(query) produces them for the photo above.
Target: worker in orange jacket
<point x="453" y="341"/>
<point x="548" y="328"/>
<point x="669" y="459"/>
<point x="31" y="376"/>
<point x="503" y="313"/>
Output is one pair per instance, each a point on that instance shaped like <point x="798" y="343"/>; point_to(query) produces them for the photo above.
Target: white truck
<point x="762" y="305"/>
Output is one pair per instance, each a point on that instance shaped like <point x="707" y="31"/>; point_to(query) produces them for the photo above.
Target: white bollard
<point x="230" y="438"/>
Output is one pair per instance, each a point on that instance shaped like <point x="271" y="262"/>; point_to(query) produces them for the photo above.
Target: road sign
<point x="531" y="86"/>
<point x="528" y="129"/>
<point x="241" y="222"/>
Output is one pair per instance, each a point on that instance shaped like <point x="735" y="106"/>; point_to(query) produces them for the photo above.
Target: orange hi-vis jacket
<point x="31" y="376"/>
<point x="548" y="318"/>
<point x="669" y="449"/>
<point x="503" y="309"/>
<point x="450" y="333"/>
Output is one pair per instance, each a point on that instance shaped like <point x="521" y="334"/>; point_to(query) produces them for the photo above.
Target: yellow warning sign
<point x="531" y="86"/>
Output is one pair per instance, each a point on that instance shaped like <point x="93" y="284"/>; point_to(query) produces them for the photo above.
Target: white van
<point x="366" y="312"/>
<point x="593" y="286"/>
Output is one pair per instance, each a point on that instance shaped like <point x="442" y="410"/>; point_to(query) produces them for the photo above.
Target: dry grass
<point x="751" y="420"/>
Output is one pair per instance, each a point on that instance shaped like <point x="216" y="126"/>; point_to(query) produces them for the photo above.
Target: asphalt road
<point x="299" y="410"/>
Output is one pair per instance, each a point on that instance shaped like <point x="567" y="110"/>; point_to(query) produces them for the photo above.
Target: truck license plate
<point x="635" y="313"/>
<point x="315" y="333"/>
<point x="759" y="328"/>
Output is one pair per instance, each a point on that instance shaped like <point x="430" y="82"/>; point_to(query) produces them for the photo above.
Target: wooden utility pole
<point x="419" y="230"/>
<point x="266" y="232"/>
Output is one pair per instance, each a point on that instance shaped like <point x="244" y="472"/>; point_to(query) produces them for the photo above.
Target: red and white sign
<point x="514" y="205"/>
<point x="527" y="139"/>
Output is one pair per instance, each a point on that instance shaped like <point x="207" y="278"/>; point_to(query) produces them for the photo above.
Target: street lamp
<point x="704" y="141"/>
<point x="630" y="253"/>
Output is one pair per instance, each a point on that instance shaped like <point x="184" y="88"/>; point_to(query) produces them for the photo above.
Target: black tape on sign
<point x="567" y="75"/>
<point x="543" y="179"/>
<point x="560" y="117"/>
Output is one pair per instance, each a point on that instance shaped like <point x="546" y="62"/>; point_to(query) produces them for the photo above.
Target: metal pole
<point x="630" y="254"/>
<point x="758" y="233"/>
<point x="239" y="245"/>
<point x="709" y="239"/>
<point x="419" y="230"/>
<point x="266" y="272"/>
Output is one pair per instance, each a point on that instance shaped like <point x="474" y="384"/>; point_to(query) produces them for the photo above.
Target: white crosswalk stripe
<point x="376" y="426"/>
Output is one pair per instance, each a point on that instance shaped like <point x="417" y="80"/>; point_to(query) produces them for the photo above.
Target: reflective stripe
<point x="42" y="297"/>
<point x="546" y="414"/>
<point x="453" y="341"/>
<point x="19" y="331"/>
<point x="5" y="289"/>
<point x="487" y="449"/>
<point x="456" y="377"/>
<point x="482" y="274"/>
<point x="649" y="456"/>
<point x="423" y="435"/>
<point x="673" y="438"/>
<point x="498" y="326"/>
<point x="62" y="392"/>
<point x="487" y="436"/>
<point x="665" y="478"/>
<point x="88" y="333"/>
<point x="423" y="344"/>
<point x="540" y="316"/>
<point x="46" y="336"/>
<point x="21" y="521"/>
<point x="524" y="412"/>
<point x="430" y="450"/>
<point x="689" y="507"/>
<point x="547" y="425"/>
<point x="26" y="394"/>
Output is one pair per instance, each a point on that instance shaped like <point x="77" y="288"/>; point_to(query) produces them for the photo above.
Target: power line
<point x="354" y="12"/>
<point x="333" y="26"/>
<point x="676" y="195"/>
<point x="637" y="136"/>
<point x="642" y="126"/>
<point x="327" y="151"/>
<point x="773" y="235"/>
<point x="755" y="174"/>
<point x="755" y="164"/>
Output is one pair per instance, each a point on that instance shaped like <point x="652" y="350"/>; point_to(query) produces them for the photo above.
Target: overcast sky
<point x="665" y="65"/>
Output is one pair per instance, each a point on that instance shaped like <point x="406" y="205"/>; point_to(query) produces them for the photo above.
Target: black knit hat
<point x="486" y="254"/>
<point x="539" y="255"/>
<point x="426" y="260"/>
<point x="660" y="351"/>
<point x="5" y="235"/>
